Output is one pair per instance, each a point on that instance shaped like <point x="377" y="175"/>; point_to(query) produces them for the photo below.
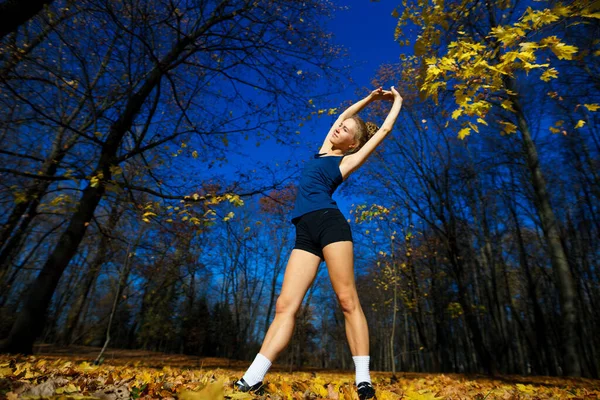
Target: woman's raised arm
<point x="355" y="108"/>
<point x="352" y="162"/>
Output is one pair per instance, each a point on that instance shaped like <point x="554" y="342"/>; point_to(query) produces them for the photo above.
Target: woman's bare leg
<point x="340" y="264"/>
<point x="299" y="274"/>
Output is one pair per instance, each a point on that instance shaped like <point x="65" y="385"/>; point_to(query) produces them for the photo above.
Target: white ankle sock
<point x="257" y="370"/>
<point x="362" y="368"/>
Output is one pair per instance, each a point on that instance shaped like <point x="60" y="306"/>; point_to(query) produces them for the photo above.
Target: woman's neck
<point x="335" y="151"/>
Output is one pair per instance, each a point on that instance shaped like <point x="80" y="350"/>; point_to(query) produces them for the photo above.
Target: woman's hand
<point x="380" y="94"/>
<point x="395" y="94"/>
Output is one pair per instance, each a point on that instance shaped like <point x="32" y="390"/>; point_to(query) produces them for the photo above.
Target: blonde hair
<point x="364" y="132"/>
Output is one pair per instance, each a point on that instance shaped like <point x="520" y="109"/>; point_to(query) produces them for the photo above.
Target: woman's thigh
<point x="339" y="258"/>
<point x="299" y="274"/>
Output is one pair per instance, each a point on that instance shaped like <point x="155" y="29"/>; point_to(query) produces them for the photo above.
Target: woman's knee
<point x="285" y="305"/>
<point x="348" y="301"/>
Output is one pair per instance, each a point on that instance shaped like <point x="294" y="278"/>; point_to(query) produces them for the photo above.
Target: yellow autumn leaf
<point x="528" y="66"/>
<point x="5" y="371"/>
<point x="554" y="130"/>
<point x="395" y="13"/>
<point x="70" y="388"/>
<point x="319" y="390"/>
<point x="506" y="35"/>
<point x="420" y="395"/>
<point x="229" y="216"/>
<point x="592" y="107"/>
<point x="145" y="376"/>
<point x="195" y="154"/>
<point x="594" y="15"/>
<point x="561" y="10"/>
<point x="529" y="389"/>
<point x="548" y="74"/>
<point x="529" y="46"/>
<point x="507" y="105"/>
<point x="214" y="391"/>
<point x="561" y="50"/>
<point x="240" y="396"/>
<point x="482" y="121"/>
<point x="509" y="128"/>
<point x="386" y="395"/>
<point x="456" y="113"/>
<point x="464" y="132"/>
<point x="580" y="124"/>
<point x="287" y="389"/>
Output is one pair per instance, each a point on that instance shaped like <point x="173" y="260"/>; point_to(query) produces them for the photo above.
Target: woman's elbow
<point x="385" y="130"/>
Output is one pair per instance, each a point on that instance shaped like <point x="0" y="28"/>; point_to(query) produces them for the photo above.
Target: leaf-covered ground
<point x="69" y="373"/>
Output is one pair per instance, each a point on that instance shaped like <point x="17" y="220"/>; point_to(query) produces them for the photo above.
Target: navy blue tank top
<point x="319" y="179"/>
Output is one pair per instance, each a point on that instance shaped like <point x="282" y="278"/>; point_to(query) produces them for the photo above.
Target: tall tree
<point x="244" y="45"/>
<point x="480" y="51"/>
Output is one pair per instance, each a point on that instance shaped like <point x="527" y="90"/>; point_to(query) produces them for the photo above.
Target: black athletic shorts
<point x="317" y="229"/>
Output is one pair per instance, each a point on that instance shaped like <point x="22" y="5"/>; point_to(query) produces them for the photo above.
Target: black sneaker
<point x="243" y="386"/>
<point x="365" y="391"/>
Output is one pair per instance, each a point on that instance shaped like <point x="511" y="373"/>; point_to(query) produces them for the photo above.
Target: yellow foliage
<point x="508" y="127"/>
<point x="528" y="389"/>
<point x="70" y="388"/>
<point x="420" y="395"/>
<point x="456" y="113"/>
<point x="464" y="133"/>
<point x="214" y="391"/>
<point x="229" y="216"/>
<point x="580" y="124"/>
<point x="95" y="180"/>
<point x="474" y="68"/>
<point x="592" y="107"/>
<point x="184" y="379"/>
<point x="561" y="10"/>
<point x="548" y="74"/>
<point x="594" y="15"/>
<point x="529" y="46"/>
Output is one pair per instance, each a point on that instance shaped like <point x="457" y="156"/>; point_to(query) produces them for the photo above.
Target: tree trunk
<point x="89" y="280"/>
<point x="560" y="266"/>
<point x="31" y="319"/>
<point x="123" y="276"/>
<point x="14" y="13"/>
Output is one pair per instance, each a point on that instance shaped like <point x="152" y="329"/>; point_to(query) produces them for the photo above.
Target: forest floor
<point x="69" y="373"/>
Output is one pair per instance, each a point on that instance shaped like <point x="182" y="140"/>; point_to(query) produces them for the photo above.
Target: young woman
<point x="322" y="233"/>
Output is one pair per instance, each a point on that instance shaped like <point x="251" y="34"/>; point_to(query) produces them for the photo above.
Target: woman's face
<point x="343" y="135"/>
